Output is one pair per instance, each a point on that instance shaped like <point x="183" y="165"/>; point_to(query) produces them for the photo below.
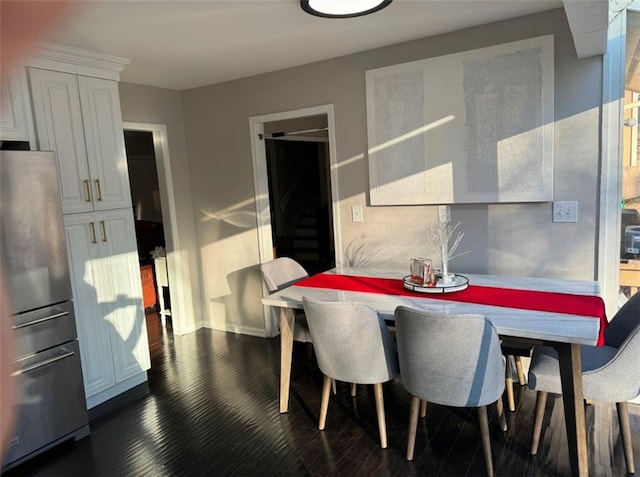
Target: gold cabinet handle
<point x="93" y="232"/>
<point x="104" y="231"/>
<point x="87" y="190"/>
<point x="98" y="190"/>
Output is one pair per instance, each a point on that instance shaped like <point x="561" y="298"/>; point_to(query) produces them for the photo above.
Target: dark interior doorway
<point x="300" y="200"/>
<point x="147" y="212"/>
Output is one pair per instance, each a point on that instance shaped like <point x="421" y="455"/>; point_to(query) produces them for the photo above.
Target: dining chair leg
<point x="502" y="419"/>
<point x="353" y="389"/>
<point x="324" y="405"/>
<point x="413" y="426"/>
<point x="334" y="387"/>
<point x="521" y="377"/>
<point x="541" y="403"/>
<point x="486" y="440"/>
<point x="423" y="408"/>
<point x="508" y="386"/>
<point x="625" y="430"/>
<point x="382" y="424"/>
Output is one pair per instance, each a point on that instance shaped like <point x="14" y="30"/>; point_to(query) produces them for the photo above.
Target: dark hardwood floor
<point x="213" y="410"/>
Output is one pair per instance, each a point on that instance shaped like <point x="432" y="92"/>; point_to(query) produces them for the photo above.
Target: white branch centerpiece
<point x="439" y="236"/>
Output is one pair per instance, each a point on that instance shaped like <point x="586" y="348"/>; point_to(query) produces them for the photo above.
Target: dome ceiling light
<point x="342" y="8"/>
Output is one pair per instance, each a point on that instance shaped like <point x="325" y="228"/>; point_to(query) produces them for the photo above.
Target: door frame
<point x="261" y="187"/>
<point x="177" y="275"/>
<point x="608" y="235"/>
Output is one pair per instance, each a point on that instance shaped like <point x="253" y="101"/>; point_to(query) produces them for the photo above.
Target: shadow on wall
<point x="241" y="308"/>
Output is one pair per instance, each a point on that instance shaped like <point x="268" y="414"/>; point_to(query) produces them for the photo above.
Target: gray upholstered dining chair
<point x="610" y="373"/>
<point x="281" y="273"/>
<point x="352" y="344"/>
<point x="452" y="360"/>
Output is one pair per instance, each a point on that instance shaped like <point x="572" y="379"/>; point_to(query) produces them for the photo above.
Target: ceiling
<point x="186" y="44"/>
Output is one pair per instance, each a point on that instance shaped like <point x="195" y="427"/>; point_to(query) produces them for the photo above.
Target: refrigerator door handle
<point x="43" y="363"/>
<point x="41" y="320"/>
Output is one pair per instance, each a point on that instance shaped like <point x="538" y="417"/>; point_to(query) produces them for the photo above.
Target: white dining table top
<point x="512" y="322"/>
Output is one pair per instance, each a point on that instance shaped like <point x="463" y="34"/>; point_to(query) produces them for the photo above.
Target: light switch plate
<point x="356" y="213"/>
<point x="565" y="211"/>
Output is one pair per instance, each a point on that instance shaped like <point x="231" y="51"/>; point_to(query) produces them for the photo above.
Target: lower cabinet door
<point x="122" y="293"/>
<point x="91" y="312"/>
<point x="108" y="297"/>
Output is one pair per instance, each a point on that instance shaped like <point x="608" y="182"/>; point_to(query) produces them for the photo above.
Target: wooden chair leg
<point x="625" y="431"/>
<point x="353" y="389"/>
<point x="423" y="408"/>
<point x="541" y="403"/>
<point x="324" y="404"/>
<point x="502" y="419"/>
<point x="382" y="424"/>
<point x="508" y="385"/>
<point x="521" y="377"/>
<point x="486" y="440"/>
<point x="413" y="426"/>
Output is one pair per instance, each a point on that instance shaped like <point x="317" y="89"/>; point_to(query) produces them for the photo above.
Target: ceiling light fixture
<point x="342" y="8"/>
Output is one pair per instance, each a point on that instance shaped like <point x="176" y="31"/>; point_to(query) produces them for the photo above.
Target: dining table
<point x="558" y="312"/>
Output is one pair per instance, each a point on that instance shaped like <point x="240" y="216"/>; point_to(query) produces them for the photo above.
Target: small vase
<point x="447" y="278"/>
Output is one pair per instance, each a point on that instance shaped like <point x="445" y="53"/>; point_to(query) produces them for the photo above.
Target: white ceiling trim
<point x="76" y="60"/>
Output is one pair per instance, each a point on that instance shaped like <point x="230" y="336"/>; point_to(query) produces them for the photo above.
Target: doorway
<point x="298" y="172"/>
<point x="147" y="212"/>
<point x="264" y="131"/>
<point x="178" y="270"/>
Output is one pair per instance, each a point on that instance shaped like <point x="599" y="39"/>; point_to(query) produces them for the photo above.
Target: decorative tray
<point x="460" y="283"/>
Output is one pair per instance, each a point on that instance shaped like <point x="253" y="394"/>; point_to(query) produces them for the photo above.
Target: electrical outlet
<point x="356" y="213"/>
<point x="565" y="211"/>
<point x="444" y="214"/>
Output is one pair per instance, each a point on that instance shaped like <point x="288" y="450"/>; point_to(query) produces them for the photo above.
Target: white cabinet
<point x="79" y="118"/>
<point x="108" y="300"/>
<point x="16" y="122"/>
<point x="76" y="111"/>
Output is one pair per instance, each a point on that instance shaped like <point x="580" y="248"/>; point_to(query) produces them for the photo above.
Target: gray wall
<point x="146" y="104"/>
<point x="518" y="239"/>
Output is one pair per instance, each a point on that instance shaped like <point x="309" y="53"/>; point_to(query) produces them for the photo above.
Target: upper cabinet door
<point x="104" y="137"/>
<point x="58" y="117"/>
<point x="79" y="118"/>
<point x="16" y="123"/>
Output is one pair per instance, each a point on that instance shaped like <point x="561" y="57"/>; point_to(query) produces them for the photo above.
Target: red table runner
<point x="586" y="305"/>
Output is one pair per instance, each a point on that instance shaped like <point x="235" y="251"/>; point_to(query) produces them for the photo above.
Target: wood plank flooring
<point x="213" y="410"/>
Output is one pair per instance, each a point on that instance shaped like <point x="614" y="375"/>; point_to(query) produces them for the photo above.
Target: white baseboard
<point x="242" y="330"/>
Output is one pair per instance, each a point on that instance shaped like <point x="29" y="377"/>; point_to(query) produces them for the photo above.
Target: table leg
<point x="571" y="378"/>
<point x="287" y="322"/>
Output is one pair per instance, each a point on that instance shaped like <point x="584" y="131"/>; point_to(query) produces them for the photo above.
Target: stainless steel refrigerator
<point x="51" y="405"/>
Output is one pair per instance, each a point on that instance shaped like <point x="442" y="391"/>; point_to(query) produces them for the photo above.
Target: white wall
<point x="146" y="104"/>
<point x="518" y="239"/>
